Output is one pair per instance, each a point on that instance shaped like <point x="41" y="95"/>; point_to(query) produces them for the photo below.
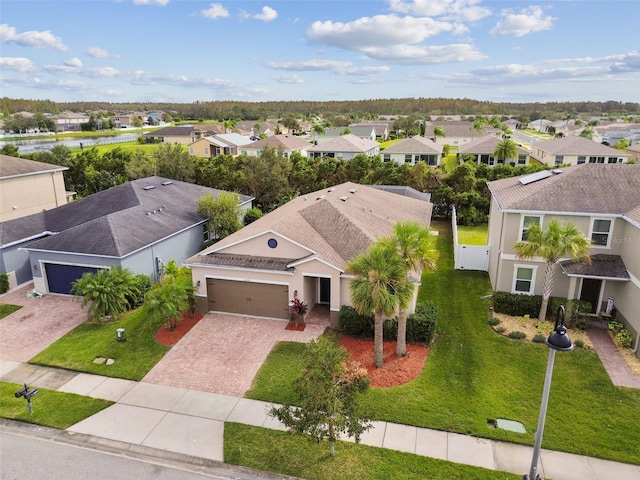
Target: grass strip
<point x="294" y="455"/>
<point x="473" y="235"/>
<point x="8" y="309"/>
<point x="81" y="346"/>
<point x="50" y="408"/>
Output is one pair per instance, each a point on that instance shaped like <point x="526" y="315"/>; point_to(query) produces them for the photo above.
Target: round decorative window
<point x="272" y="242"/>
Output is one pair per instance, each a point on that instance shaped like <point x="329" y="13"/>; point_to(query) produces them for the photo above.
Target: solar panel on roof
<point x="534" y="177"/>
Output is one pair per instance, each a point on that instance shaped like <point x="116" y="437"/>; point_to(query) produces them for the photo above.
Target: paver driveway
<point x="223" y="352"/>
<point x="39" y="323"/>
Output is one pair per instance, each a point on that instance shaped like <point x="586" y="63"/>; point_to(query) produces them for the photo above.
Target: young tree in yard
<point x="223" y="213"/>
<point x="174" y="294"/>
<point x="415" y="247"/>
<point x="107" y="291"/>
<point x="507" y="149"/>
<point x="328" y="389"/>
<point x="380" y="284"/>
<point x="552" y="243"/>
<point x="439" y="132"/>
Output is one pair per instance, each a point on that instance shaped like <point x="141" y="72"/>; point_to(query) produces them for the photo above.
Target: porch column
<point x="573" y="285"/>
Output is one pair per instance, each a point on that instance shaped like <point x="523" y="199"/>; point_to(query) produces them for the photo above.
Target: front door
<point x="591" y="292"/>
<point x="325" y="290"/>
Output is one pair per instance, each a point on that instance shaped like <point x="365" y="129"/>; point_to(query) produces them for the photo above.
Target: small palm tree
<point x="478" y="125"/>
<point x="439" y="132"/>
<point x="506" y="150"/>
<point x="414" y="244"/>
<point x="552" y="243"/>
<point x="379" y="285"/>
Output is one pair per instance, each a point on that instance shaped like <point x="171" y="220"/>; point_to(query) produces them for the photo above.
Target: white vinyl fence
<point x="468" y="257"/>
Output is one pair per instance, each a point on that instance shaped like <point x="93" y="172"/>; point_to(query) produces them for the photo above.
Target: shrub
<point x="4" y="283"/>
<point x="493" y="321"/>
<point x="500" y="330"/>
<point x="144" y="284"/>
<point x="516" y="304"/>
<point x="252" y="215"/>
<point x="517" y="335"/>
<point x="579" y="344"/>
<point x="538" y="338"/>
<point x="354" y="324"/>
<point x="616" y="327"/>
<point x="624" y="338"/>
<point x="421" y="325"/>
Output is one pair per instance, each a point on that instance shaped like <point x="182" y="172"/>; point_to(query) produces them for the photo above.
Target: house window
<point x="612" y="160"/>
<point x="527" y="221"/>
<point x="559" y="159"/>
<point x="205" y="232"/>
<point x="407" y="158"/>
<point x="581" y="160"/>
<point x="601" y="232"/>
<point x="523" y="279"/>
<point x="190" y="150"/>
<point x="387" y="157"/>
<point x="522" y="160"/>
<point x="596" y="159"/>
<point x="206" y="150"/>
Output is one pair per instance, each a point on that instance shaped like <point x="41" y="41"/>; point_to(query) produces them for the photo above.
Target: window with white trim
<point x="387" y="157"/>
<point x="581" y="159"/>
<point x="523" y="279"/>
<point x="559" y="159"/>
<point x="601" y="232"/>
<point x="525" y="222"/>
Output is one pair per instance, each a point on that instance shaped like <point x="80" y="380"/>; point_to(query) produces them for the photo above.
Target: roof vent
<point x="557" y="171"/>
<point x="320" y="197"/>
<point x="332" y="189"/>
<point x="168" y="182"/>
<point x="353" y="190"/>
<point x="534" y="177"/>
<point x="149" y="187"/>
<point x="344" y="198"/>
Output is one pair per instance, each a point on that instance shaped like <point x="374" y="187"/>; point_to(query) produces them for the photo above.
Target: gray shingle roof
<point x="335" y="223"/>
<point x="602" y="265"/>
<point x="345" y="143"/>
<point x="573" y="145"/>
<point x="414" y="145"/>
<point x="17" y="167"/>
<point x="460" y="129"/>
<point x="285" y="142"/>
<point x="486" y="144"/>
<point x="589" y="188"/>
<point x="114" y="222"/>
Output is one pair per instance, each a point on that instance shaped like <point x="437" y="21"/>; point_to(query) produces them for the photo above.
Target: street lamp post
<point x="558" y="340"/>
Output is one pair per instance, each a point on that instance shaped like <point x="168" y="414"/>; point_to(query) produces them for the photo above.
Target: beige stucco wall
<point x="29" y="194"/>
<point x="197" y="149"/>
<point x="259" y="247"/>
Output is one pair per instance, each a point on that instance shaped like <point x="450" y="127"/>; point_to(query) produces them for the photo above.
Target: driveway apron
<point x="223" y="352"/>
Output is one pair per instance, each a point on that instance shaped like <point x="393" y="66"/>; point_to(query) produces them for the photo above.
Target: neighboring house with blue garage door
<point x="139" y="225"/>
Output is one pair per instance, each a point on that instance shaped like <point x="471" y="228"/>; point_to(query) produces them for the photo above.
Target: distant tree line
<point x="273" y="179"/>
<point x="355" y="109"/>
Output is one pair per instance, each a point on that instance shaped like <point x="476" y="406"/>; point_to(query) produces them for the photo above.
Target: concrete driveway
<point x="39" y="323"/>
<point x="223" y="352"/>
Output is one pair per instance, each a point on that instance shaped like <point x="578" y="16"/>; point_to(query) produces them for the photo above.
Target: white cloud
<point x="528" y="20"/>
<point x="380" y="30"/>
<point x="462" y="10"/>
<point x="34" y="39"/>
<point x="309" y="65"/>
<point x="97" y="52"/>
<point x="268" y="14"/>
<point x="160" y="3"/>
<point x="74" y="62"/>
<point x="426" y="54"/>
<point x="215" y="10"/>
<point x="18" y="64"/>
<point x="290" y="78"/>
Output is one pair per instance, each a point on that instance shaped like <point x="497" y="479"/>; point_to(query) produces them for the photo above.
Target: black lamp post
<point x="558" y="340"/>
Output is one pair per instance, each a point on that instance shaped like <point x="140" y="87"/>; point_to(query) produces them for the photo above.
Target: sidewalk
<point x="190" y="422"/>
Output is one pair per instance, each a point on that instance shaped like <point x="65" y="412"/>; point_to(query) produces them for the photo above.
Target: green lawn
<point x="296" y="456"/>
<point x="8" y="309"/>
<point x="133" y="359"/>
<point x="147" y="148"/>
<point x="50" y="408"/>
<point x="473" y="375"/>
<point x="474" y="235"/>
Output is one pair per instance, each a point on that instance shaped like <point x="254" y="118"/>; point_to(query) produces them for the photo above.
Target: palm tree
<point x="552" y="243"/>
<point x="587" y="133"/>
<point x="318" y="129"/>
<point x="439" y="132"/>
<point x="478" y="125"/>
<point x="379" y="285"/>
<point x="506" y="150"/>
<point x="414" y="244"/>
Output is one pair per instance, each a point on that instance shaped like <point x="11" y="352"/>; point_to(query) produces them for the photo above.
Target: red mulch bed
<point x="169" y="338"/>
<point x="395" y="370"/>
<point x="294" y="327"/>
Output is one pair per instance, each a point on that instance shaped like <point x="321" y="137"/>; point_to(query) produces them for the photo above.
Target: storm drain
<point x="504" y="424"/>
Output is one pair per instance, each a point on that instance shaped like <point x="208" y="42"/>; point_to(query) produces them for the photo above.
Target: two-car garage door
<point x="61" y="277"/>
<point x="248" y="298"/>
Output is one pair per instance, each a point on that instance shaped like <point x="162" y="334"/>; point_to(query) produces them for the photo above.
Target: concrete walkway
<point x="614" y="363"/>
<point x="190" y="422"/>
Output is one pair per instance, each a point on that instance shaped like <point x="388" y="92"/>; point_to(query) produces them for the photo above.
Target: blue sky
<point x="186" y="51"/>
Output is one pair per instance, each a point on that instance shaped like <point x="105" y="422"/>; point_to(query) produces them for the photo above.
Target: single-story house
<point x="28" y="187"/>
<point x="634" y="152"/>
<point x="345" y="146"/>
<point x="482" y="150"/>
<point x="221" y="144"/>
<point x="575" y="151"/>
<point x="603" y="201"/>
<point x="287" y="144"/>
<point x="412" y="151"/>
<point x="182" y="134"/>
<point x="381" y="129"/>
<point x="139" y="225"/>
<point x="457" y="133"/>
<point x="366" y="132"/>
<point x="256" y="129"/>
<point x="301" y="250"/>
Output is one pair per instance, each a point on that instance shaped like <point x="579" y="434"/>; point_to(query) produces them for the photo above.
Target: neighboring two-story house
<point x="603" y="201"/>
<point x="69" y="121"/>
<point x="575" y="151"/>
<point x="413" y="150"/>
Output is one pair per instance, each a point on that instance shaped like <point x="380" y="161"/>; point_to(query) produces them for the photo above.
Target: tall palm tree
<point x="478" y="125"/>
<point x="506" y="150"/>
<point x="552" y="243"/>
<point x="439" y="132"/>
<point x="414" y="244"/>
<point x="318" y="129"/>
<point x="379" y="285"/>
